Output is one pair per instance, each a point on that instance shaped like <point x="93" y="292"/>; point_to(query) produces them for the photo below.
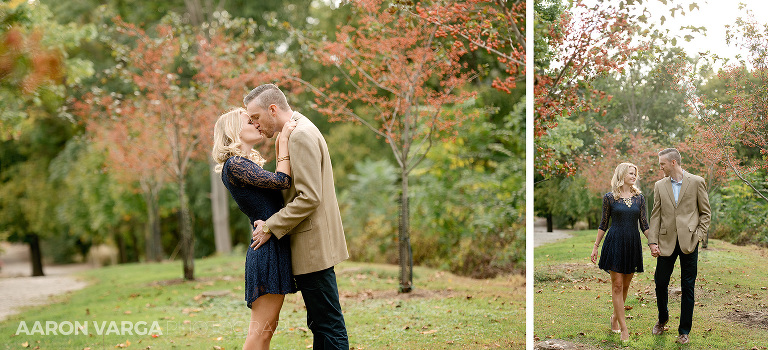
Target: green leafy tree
<point x="35" y="72"/>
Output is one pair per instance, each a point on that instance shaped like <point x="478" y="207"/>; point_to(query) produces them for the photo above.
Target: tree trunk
<point x="157" y="241"/>
<point x="152" y="239"/>
<point x="35" y="254"/>
<point x="406" y="255"/>
<point x="149" y="250"/>
<point x="136" y="246"/>
<point x="220" y="207"/>
<point x="122" y="257"/>
<point x="187" y="238"/>
<point x="550" y="225"/>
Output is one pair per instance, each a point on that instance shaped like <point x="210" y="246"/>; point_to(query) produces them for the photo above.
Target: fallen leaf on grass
<point x="430" y="331"/>
<point x="627" y="307"/>
<point x="25" y="344"/>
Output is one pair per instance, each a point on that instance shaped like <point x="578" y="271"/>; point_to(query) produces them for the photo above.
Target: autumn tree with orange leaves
<point x="400" y="76"/>
<point x="730" y="130"/>
<point x="582" y="43"/>
<point x="166" y="123"/>
<point x="496" y="27"/>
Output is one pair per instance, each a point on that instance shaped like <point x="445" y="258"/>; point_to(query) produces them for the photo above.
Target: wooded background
<point x="108" y="108"/>
<point x="613" y="86"/>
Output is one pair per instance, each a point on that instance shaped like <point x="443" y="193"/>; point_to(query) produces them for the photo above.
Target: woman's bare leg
<point x="617" y="296"/>
<point x="627" y="281"/>
<point x="265" y="313"/>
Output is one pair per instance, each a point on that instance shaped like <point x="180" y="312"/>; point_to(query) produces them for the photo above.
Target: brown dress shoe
<point x="659" y="328"/>
<point x="682" y="339"/>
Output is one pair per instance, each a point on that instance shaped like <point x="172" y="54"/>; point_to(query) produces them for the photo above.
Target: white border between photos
<point x="529" y="174"/>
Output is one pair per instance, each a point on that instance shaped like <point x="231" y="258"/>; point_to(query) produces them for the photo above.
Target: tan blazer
<point x="311" y="214"/>
<point x="686" y="222"/>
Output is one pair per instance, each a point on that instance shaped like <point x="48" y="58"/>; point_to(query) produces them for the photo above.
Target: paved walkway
<point x="18" y="289"/>
<point x="541" y="236"/>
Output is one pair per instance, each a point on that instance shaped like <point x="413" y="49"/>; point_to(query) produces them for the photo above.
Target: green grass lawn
<point x="444" y="312"/>
<point x="572" y="299"/>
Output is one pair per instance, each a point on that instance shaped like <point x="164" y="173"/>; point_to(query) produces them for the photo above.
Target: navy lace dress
<point x="257" y="193"/>
<point x="622" y="249"/>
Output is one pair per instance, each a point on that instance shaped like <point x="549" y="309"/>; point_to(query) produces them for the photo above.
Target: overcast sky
<point x="712" y="14"/>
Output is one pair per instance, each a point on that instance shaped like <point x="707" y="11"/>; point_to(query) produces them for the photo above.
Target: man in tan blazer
<point x="311" y="215"/>
<point x="679" y="220"/>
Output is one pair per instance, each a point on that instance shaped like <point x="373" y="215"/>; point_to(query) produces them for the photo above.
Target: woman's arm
<point x="283" y="155"/>
<point x="242" y="172"/>
<point x="593" y="256"/>
<point x="602" y="228"/>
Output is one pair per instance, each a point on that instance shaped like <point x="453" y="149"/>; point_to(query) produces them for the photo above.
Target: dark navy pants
<point x="324" y="317"/>
<point x="664" y="267"/>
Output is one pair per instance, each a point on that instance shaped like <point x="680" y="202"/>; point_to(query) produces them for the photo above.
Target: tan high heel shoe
<point x="614" y="330"/>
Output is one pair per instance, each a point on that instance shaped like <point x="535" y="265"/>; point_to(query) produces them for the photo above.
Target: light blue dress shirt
<point x="676" y="186"/>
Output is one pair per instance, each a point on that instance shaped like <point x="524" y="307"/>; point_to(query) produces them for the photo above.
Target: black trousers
<point x="664" y="267"/>
<point x="324" y="317"/>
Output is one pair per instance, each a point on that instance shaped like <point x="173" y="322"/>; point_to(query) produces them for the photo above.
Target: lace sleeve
<point x="643" y="215"/>
<point x="243" y="172"/>
<point x="606" y="212"/>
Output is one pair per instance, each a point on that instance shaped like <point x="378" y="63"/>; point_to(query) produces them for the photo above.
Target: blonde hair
<point x="226" y="140"/>
<point x="618" y="179"/>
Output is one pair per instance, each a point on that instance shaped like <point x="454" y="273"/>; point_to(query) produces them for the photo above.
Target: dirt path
<point x="541" y="236"/>
<point x="18" y="289"/>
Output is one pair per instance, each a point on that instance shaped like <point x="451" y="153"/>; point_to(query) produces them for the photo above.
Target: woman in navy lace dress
<point x="622" y="254"/>
<point x="257" y="192"/>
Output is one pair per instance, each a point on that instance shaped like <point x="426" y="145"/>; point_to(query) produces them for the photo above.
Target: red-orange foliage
<point x="739" y="122"/>
<point x="495" y="26"/>
<point x="398" y="78"/>
<point x="396" y="66"/>
<point x="723" y="127"/>
<point x="597" y="41"/>
<point x="25" y="63"/>
<point x="227" y="70"/>
<point x="615" y="147"/>
<point x="165" y="124"/>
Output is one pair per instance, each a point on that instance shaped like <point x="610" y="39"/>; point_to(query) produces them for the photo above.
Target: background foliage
<point x="59" y="183"/>
<point x="660" y="96"/>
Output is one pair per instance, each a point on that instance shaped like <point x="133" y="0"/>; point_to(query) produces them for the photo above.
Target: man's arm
<point x="307" y="179"/>
<point x="705" y="212"/>
<point x="653" y="231"/>
<point x="655" y="224"/>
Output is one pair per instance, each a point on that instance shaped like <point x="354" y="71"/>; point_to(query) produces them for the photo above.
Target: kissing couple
<point x="297" y="234"/>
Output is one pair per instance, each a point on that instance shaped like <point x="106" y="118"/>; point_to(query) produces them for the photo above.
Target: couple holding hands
<point x="679" y="221"/>
<point x="298" y="237"/>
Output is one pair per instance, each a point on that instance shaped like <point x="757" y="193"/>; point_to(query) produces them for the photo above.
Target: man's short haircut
<point x="266" y="95"/>
<point x="671" y="154"/>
